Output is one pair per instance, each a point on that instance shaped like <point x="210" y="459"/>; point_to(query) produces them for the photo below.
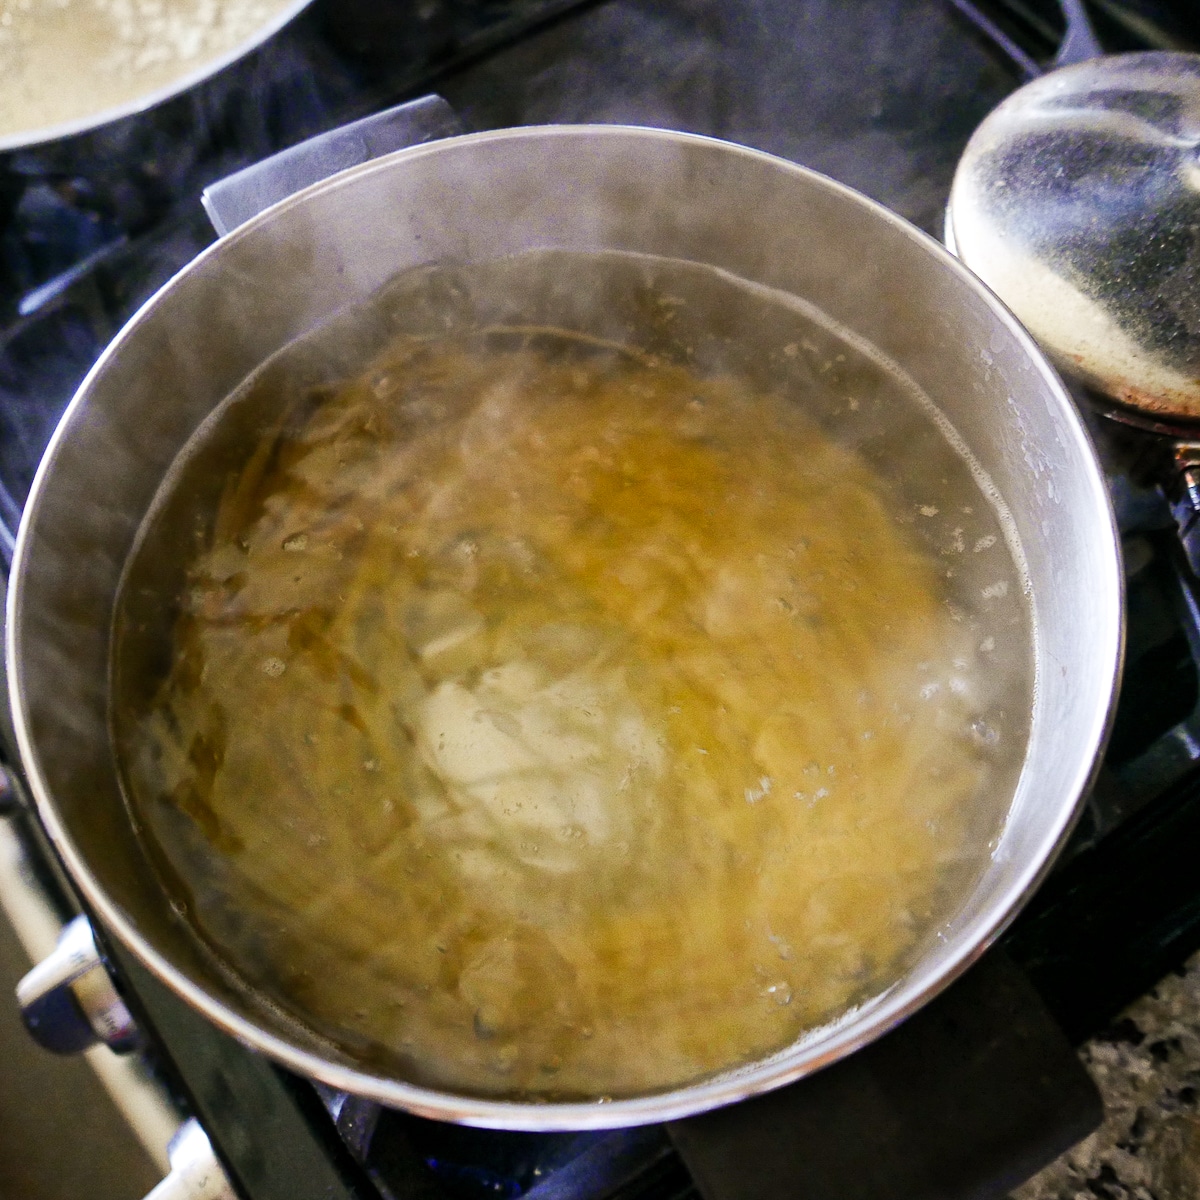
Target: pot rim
<point x="883" y="1013"/>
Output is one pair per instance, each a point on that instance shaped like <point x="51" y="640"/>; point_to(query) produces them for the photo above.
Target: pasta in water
<point x="550" y="721"/>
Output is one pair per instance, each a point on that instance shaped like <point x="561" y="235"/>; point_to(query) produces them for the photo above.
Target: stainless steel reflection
<point x="581" y="188"/>
<point x="1077" y="200"/>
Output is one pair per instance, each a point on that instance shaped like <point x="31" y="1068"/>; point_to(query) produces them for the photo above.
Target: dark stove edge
<point x="268" y="1128"/>
<point x="892" y="1122"/>
<point x="1104" y="929"/>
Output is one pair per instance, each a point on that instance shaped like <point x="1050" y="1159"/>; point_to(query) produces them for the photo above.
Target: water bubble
<point x="983" y="733"/>
<point x="754" y="795"/>
<point x="780" y="993"/>
<point x="780" y="944"/>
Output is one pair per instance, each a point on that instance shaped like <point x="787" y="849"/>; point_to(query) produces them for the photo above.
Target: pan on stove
<point x="1076" y="200"/>
<point x="303" y="260"/>
<point x="67" y="68"/>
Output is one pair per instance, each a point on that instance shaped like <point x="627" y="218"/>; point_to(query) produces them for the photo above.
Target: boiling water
<point x="576" y="711"/>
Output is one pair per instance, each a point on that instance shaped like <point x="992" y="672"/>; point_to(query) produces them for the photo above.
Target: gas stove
<point x="981" y="1088"/>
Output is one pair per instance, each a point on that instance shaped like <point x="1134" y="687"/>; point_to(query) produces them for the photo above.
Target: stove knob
<point x="195" y="1172"/>
<point x="68" y="1000"/>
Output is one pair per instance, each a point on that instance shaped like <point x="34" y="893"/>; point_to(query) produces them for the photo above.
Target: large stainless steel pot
<point x="585" y="188"/>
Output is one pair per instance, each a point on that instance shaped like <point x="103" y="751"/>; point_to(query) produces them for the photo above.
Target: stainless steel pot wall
<point x="582" y="188"/>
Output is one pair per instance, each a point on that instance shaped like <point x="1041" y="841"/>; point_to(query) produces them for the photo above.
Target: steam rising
<point x="543" y="718"/>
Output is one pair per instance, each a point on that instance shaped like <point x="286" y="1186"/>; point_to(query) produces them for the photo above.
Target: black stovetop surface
<point x="882" y="95"/>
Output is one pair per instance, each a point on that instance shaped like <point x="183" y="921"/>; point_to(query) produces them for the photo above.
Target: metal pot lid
<point x="1078" y="202"/>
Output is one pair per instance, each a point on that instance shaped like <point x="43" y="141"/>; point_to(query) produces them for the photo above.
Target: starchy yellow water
<point x="560" y="724"/>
